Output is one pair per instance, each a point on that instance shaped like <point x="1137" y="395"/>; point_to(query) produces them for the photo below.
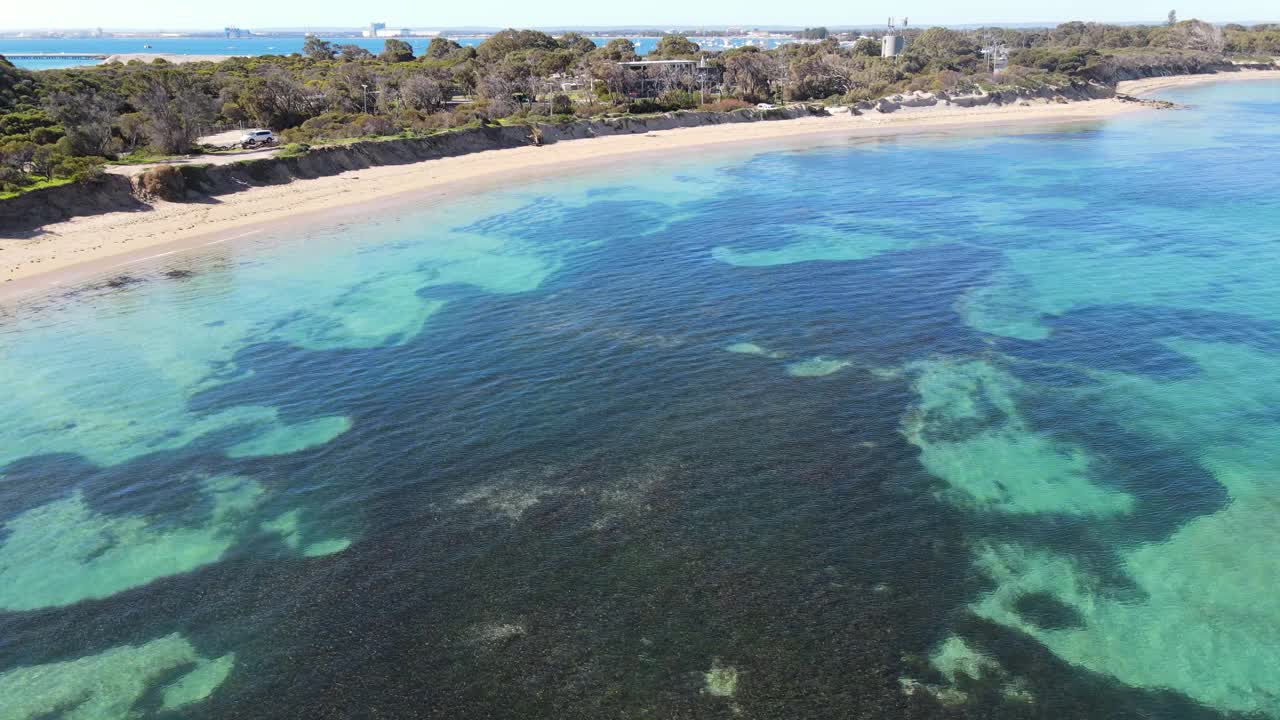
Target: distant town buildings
<point x="380" y="30"/>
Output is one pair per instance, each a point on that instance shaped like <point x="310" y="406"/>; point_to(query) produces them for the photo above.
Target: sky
<point x="120" y="14"/>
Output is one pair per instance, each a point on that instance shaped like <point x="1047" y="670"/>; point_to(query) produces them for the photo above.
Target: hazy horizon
<point x="141" y="16"/>
<point x="598" y="28"/>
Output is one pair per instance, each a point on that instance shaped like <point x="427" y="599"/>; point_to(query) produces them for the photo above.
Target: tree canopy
<point x="317" y="49"/>
<point x="501" y="44"/>
<point x="675" y="47"/>
<point x="394" y="51"/>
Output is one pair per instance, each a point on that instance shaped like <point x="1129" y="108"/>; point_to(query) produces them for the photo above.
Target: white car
<point x="764" y="106"/>
<point x="252" y="138"/>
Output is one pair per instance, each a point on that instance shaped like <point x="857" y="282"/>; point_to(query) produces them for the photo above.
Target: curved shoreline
<point x="1146" y="86"/>
<point x="75" y="250"/>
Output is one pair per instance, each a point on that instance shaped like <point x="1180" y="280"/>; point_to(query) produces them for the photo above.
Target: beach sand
<point x="1146" y="86"/>
<point x="86" y="247"/>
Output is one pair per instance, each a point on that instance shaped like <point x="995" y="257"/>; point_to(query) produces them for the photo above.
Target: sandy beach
<point x="81" y="248"/>
<point x="1146" y="86"/>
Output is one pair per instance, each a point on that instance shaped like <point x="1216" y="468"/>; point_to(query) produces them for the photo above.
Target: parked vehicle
<point x="255" y="138"/>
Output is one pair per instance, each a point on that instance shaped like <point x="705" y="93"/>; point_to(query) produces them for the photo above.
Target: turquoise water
<point x="974" y="426"/>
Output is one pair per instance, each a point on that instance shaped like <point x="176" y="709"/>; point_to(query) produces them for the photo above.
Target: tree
<point x="501" y="44"/>
<point x="1065" y="60"/>
<point x="675" y="47"/>
<point x="618" y="50"/>
<point x="1173" y="18"/>
<point x="942" y="49"/>
<point x="395" y="51"/>
<point x="749" y="71"/>
<point x="318" y="49"/>
<point x="424" y="93"/>
<point x="132" y="128"/>
<point x="15" y="156"/>
<point x="17" y="86"/>
<point x="866" y="47"/>
<point x="577" y="43"/>
<point x="44" y="161"/>
<point x="1190" y="35"/>
<point x="440" y="48"/>
<point x="353" y="52"/>
<point x="347" y="88"/>
<point x="86" y="114"/>
<point x="561" y="105"/>
<point x="1073" y="34"/>
<point x="504" y="81"/>
<point x="545" y="63"/>
<point x="277" y="101"/>
<point x="608" y="78"/>
<point x="175" y="106"/>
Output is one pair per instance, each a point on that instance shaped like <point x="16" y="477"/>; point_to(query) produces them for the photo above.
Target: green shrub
<point x="1063" y="60"/>
<point x="678" y="100"/>
<point x="341" y="126"/>
<point x="294" y="150"/>
<point x="592" y="109"/>
<point x="561" y="105"/>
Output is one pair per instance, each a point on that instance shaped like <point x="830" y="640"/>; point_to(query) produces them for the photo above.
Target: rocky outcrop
<point x="115" y="192"/>
<point x="1146" y="102"/>
<point x="917" y="99"/>
<point x="1007" y="96"/>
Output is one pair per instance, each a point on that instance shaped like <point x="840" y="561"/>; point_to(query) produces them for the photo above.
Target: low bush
<point x="1061" y="60"/>
<point x="725" y="105"/>
<point x="341" y="126"/>
<point x="13" y="179"/>
<point x="593" y="109"/>
<point x="561" y="105"/>
<point x="294" y="150"/>
<point x="163" y="182"/>
<point x="679" y="99"/>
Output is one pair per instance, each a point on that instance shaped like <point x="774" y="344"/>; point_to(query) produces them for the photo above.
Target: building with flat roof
<point x="649" y="78"/>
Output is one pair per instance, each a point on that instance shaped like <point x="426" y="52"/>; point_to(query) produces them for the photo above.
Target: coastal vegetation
<point x="61" y="125"/>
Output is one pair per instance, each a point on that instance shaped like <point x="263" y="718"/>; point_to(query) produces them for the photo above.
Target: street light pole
<point x="364" y="99"/>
